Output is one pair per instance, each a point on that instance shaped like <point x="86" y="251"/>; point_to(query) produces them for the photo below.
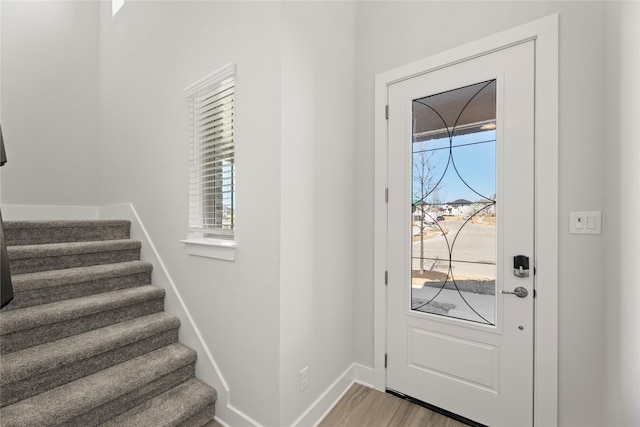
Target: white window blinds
<point x="211" y="153"/>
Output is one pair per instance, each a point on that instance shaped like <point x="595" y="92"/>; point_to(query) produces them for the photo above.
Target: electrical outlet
<point x="304" y="378"/>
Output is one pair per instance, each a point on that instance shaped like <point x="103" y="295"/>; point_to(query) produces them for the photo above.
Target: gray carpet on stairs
<point x="56" y="256"/>
<point x="86" y="340"/>
<point x="54" y="285"/>
<point x="39" y="232"/>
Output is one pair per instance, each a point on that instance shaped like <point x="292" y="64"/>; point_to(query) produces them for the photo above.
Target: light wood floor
<point x="362" y="406"/>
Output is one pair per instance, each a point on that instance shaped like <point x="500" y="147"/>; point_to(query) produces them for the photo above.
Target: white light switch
<point x="585" y="222"/>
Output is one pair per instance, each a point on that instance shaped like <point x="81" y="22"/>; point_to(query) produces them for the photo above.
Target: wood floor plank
<point x="362" y="406"/>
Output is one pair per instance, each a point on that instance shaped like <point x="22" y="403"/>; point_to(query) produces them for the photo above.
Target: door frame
<point x="545" y="34"/>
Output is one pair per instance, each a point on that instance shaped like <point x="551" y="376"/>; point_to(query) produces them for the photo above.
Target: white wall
<point x="50" y="102"/>
<point x="391" y="34"/>
<point x="149" y="52"/>
<point x="317" y="206"/>
<point x="622" y="153"/>
<point x="111" y="128"/>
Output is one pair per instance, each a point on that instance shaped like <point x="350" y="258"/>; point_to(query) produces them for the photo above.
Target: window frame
<point x="206" y="238"/>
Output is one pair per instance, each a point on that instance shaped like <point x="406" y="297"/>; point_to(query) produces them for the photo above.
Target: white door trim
<point x="545" y="33"/>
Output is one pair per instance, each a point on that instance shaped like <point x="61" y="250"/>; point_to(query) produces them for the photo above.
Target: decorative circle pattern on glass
<point x="454" y="152"/>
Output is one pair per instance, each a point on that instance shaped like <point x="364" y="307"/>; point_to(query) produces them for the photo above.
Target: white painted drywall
<point x="391" y="34"/>
<point x="622" y="153"/>
<point x="318" y="210"/>
<point x="50" y="102"/>
<point x="247" y="310"/>
<point x="149" y="52"/>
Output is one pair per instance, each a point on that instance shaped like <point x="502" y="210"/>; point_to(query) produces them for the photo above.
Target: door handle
<point x="520" y="292"/>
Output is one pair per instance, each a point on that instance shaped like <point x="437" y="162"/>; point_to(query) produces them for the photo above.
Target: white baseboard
<point x="206" y="367"/>
<point x="319" y="409"/>
<point x="364" y="375"/>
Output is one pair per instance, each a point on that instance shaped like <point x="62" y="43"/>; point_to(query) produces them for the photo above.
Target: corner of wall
<point x="321" y="407"/>
<point x="621" y="154"/>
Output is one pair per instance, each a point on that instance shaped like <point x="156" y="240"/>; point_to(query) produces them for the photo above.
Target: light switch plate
<point x="585" y="222"/>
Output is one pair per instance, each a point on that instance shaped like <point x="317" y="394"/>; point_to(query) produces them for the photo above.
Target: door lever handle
<point x="520" y="292"/>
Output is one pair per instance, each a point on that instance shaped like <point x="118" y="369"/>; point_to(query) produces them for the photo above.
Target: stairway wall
<point x="190" y="333"/>
<point x="150" y="52"/>
<point x="49" y="77"/>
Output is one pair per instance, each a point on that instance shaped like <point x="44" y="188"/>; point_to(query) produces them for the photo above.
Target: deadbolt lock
<point x="521" y="266"/>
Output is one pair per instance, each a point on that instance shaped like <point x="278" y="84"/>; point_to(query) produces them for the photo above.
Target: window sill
<point x="211" y="248"/>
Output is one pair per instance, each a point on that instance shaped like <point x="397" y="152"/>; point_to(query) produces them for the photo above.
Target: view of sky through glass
<point x="473" y="155"/>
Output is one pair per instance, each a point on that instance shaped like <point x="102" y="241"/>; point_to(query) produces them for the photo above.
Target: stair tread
<point x="35" y="232"/>
<point x="70" y="248"/>
<point x="68" y="276"/>
<point x="49" y="356"/>
<point x="10" y="225"/>
<point x="169" y="408"/>
<point x="31" y="317"/>
<point x="71" y="400"/>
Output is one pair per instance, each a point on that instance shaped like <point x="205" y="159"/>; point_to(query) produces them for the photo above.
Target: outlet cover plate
<point x="585" y="222"/>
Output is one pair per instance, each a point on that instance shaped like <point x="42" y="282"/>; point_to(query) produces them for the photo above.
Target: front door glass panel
<point x="453" y="232"/>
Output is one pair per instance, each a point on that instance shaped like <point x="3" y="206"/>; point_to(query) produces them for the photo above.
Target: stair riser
<point x="32" y="265"/>
<point x="14" y="392"/>
<point x="124" y="403"/>
<point x="36" y="236"/>
<point x="29" y="298"/>
<point x="26" y="338"/>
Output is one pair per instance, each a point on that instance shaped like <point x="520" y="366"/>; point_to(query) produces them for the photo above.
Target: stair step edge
<point x="70" y="248"/>
<point x="69" y="276"/>
<point x="40" y="232"/>
<point x="73" y="399"/>
<point x="53" y="355"/>
<point x="12" y="225"/>
<point x="31" y="317"/>
<point x="191" y="397"/>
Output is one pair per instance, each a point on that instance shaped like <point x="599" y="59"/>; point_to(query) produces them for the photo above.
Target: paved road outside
<point x="473" y="247"/>
<point x="473" y="257"/>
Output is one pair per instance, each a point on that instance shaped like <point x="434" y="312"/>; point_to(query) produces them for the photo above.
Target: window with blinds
<point x="211" y="154"/>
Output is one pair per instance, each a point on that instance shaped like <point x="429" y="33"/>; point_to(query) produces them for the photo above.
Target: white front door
<point x="460" y="213"/>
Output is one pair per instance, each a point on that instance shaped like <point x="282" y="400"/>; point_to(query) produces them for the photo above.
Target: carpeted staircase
<point x="86" y="342"/>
